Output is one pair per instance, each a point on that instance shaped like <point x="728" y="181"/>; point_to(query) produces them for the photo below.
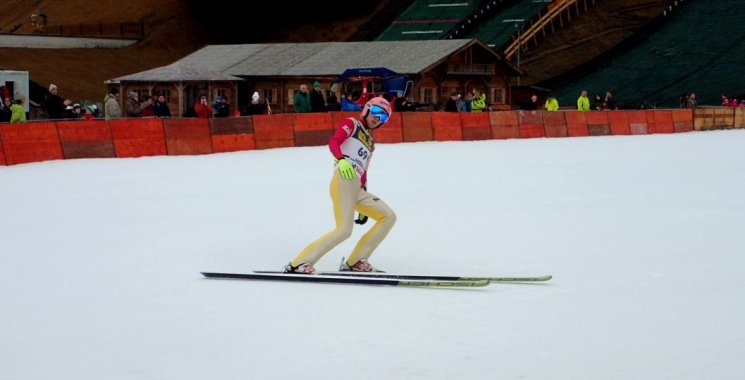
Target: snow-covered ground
<point x="100" y="263"/>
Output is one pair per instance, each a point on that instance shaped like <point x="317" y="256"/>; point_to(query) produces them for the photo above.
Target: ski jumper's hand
<point x="346" y="169"/>
<point x="361" y="219"/>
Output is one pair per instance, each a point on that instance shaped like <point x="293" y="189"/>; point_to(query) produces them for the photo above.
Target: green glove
<point x="346" y="169"/>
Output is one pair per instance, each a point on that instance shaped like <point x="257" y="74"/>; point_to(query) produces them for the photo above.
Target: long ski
<point x="348" y="279"/>
<point x="385" y="275"/>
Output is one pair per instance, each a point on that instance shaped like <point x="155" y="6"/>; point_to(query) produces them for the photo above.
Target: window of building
<point x="428" y="95"/>
<point x="269" y="96"/>
<point x="497" y="95"/>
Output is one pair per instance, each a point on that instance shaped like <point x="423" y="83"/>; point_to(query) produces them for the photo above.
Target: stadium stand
<point x="428" y="20"/>
<point x="695" y="47"/>
<point x="496" y="32"/>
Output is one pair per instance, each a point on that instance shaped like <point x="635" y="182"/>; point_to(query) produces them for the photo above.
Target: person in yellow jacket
<point x="478" y="104"/>
<point x="18" y="113"/>
<point x="583" y="102"/>
<point x="551" y="103"/>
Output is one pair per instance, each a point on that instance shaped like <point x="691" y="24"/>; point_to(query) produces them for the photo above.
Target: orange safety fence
<point x="476" y="125"/>
<point x="274" y="131"/>
<point x="682" y="120"/>
<point x="138" y="137"/>
<point x="417" y="126"/>
<point x="555" y="124"/>
<point x="531" y="124"/>
<point x="187" y="136"/>
<point x="597" y="123"/>
<point x="313" y="129"/>
<point x="30" y="142"/>
<point x="619" y="123"/>
<point x="232" y="134"/>
<point x="446" y="126"/>
<point x="40" y="141"/>
<point x="504" y="125"/>
<point x="2" y="152"/>
<point x="86" y="139"/>
<point x="638" y="122"/>
<point x="663" y="121"/>
<point x="576" y="123"/>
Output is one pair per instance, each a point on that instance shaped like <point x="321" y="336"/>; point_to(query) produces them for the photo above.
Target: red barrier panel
<point x="2" y="152"/>
<point x="637" y="122"/>
<point x="597" y="123"/>
<point x="476" y="125"/>
<point x="313" y="122"/>
<point x="139" y="137"/>
<point x="446" y="126"/>
<point x="30" y="142"/>
<point x="651" y="124"/>
<point x="231" y="125"/>
<point x="504" y="125"/>
<point x="274" y="131"/>
<point x="313" y="129"/>
<point x="417" y="126"/>
<point x="619" y="123"/>
<point x="233" y="143"/>
<point x="392" y="131"/>
<point x="531" y="124"/>
<point x="576" y="123"/>
<point x="663" y="121"/>
<point x="187" y="136"/>
<point x="555" y="124"/>
<point x="86" y="139"/>
<point x="682" y="120"/>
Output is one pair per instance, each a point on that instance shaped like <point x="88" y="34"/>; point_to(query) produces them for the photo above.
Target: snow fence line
<point x="67" y="139"/>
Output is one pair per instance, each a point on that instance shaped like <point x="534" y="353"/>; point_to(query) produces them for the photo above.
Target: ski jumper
<point x="353" y="142"/>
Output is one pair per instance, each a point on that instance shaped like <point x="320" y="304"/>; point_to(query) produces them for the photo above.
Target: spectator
<point x="161" y="107"/>
<point x="692" y="100"/>
<point x="332" y="103"/>
<point x="301" y="102"/>
<point x="683" y="102"/>
<point x="478" y="104"/>
<point x="221" y="108"/>
<point x="202" y="108"/>
<point x="255" y="107"/>
<point x="552" y="104"/>
<point x="597" y="103"/>
<point x="583" y="102"/>
<point x="5" y="112"/>
<point x="111" y="108"/>
<point x="453" y="103"/>
<point x="610" y="102"/>
<point x="400" y="104"/>
<point x="147" y="106"/>
<point x="133" y="106"/>
<point x="92" y="112"/>
<point x="531" y="104"/>
<point x="733" y="103"/>
<point x="742" y="103"/>
<point x="17" y="112"/>
<point x="725" y="101"/>
<point x="55" y="106"/>
<point x="317" y="102"/>
<point x="348" y="103"/>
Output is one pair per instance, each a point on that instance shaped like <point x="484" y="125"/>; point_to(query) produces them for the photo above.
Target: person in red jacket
<point x="203" y="108"/>
<point x="352" y="146"/>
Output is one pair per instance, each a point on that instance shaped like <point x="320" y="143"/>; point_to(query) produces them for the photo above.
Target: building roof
<point x="177" y="72"/>
<point x="328" y="58"/>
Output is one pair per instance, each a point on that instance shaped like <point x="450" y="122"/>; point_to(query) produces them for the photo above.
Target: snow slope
<point x="100" y="264"/>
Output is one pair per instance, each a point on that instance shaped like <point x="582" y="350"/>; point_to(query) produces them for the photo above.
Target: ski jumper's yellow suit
<point x="352" y="146"/>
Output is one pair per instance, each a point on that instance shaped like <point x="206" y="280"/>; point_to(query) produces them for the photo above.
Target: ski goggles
<point x="379" y="113"/>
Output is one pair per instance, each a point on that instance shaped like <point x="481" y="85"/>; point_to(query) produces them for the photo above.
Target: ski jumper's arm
<point x="342" y="133"/>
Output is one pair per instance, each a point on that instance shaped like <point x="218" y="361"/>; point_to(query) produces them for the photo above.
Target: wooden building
<point x="436" y="68"/>
<point x="181" y="84"/>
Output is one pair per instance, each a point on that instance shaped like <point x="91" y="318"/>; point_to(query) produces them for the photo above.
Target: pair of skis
<point x="376" y="278"/>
